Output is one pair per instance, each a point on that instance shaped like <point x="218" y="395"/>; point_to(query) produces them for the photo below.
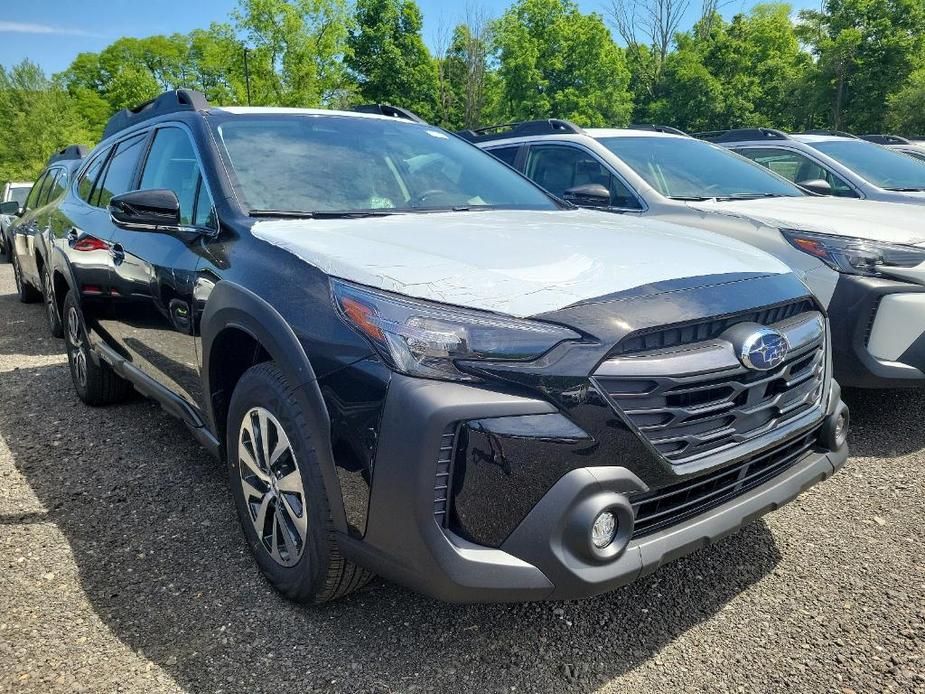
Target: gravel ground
<point x="123" y="569"/>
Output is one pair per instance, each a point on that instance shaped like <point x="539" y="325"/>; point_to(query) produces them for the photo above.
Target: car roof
<point x="811" y="139"/>
<point x="597" y="133"/>
<point x="282" y="110"/>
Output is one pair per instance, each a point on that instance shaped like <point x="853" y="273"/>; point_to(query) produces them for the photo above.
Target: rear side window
<point x="49" y="186"/>
<point x="120" y="172"/>
<point x="85" y="185"/>
<point x="35" y="192"/>
<point x="172" y="165"/>
<point x="57" y="188"/>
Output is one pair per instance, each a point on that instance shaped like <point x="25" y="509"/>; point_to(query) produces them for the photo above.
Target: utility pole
<point x="247" y="77"/>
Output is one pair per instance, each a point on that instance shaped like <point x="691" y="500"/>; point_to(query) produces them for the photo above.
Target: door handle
<point x="117" y="252"/>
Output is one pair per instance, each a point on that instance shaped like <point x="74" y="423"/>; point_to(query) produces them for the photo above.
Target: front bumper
<point x="406" y="543"/>
<point x="878" y="332"/>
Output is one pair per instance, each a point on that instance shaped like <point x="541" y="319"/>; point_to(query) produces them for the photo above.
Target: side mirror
<point x="11" y="208"/>
<point x="146" y="210"/>
<point x="817" y="186"/>
<point x="588" y="195"/>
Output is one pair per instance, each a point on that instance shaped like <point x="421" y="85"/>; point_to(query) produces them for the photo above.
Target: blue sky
<point x="52" y="32"/>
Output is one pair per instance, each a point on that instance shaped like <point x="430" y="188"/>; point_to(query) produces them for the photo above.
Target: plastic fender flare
<point x="232" y="306"/>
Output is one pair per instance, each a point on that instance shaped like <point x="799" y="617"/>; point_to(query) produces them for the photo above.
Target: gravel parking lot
<point x="123" y="569"/>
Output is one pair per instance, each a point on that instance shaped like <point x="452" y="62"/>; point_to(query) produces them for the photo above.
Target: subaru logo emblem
<point x="764" y="349"/>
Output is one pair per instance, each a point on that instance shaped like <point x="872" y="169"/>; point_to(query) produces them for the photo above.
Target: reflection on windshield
<point x="690" y="169"/>
<point x="881" y="166"/>
<point x="336" y="164"/>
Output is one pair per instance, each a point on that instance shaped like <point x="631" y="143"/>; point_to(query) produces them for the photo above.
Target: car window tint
<point x="58" y="187"/>
<point x="558" y="168"/>
<point x="85" y="184"/>
<point x="120" y="172"/>
<point x="49" y="186"/>
<point x="798" y="168"/>
<point x="172" y="165"/>
<point x="506" y="154"/>
<point x="204" y="215"/>
<point x="36" y="191"/>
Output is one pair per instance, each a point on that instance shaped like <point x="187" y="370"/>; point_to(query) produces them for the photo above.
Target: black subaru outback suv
<point x="415" y="362"/>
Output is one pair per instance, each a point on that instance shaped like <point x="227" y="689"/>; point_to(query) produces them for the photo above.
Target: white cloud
<point x="28" y="28"/>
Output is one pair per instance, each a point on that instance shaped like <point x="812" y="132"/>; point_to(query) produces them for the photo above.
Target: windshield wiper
<point x="906" y="190"/>
<point x="336" y="214"/>
<point x="751" y="196"/>
<point x="691" y="198"/>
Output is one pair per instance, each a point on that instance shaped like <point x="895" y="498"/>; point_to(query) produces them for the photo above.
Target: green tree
<point x="389" y="58"/>
<point x="38" y="117"/>
<point x="906" y="112"/>
<point x="469" y="89"/>
<point x="555" y="61"/>
<point x="864" y="49"/>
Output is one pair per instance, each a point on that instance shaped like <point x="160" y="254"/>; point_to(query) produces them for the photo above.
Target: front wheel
<point x="280" y="494"/>
<point x="26" y="292"/>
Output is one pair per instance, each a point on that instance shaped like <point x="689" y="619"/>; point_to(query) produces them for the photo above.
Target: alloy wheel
<point x="76" y="350"/>
<point x="272" y="484"/>
<point x="48" y="295"/>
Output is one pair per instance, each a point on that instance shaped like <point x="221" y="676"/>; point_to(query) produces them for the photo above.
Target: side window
<point x="506" y="154"/>
<point x="58" y="187"/>
<point x="120" y="172"/>
<point x="797" y="167"/>
<point x="32" y="200"/>
<point x="49" y="186"/>
<point x="85" y="184"/>
<point x="558" y="168"/>
<point x="172" y="164"/>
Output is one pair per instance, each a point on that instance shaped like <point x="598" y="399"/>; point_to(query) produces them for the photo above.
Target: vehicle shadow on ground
<point x="874" y="432"/>
<point x="150" y="522"/>
<point x="18" y="319"/>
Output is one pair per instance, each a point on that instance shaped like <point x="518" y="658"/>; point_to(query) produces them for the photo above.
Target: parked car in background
<point x="416" y="362"/>
<point x="914" y="148"/>
<point x="831" y="163"/>
<point x="12" y="192"/>
<point x="864" y="260"/>
<point x="31" y="230"/>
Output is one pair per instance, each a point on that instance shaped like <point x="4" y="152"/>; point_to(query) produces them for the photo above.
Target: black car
<point x="415" y="362"/>
<point x="31" y="231"/>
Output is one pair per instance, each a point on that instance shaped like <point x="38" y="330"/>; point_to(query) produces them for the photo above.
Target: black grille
<point x="442" y="479"/>
<point x="687" y="417"/>
<point x="665" y="507"/>
<point x="690" y="333"/>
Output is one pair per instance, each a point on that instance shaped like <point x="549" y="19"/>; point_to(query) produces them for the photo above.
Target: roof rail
<point x="389" y="110"/>
<point x="886" y="139"/>
<point x="68" y="153"/>
<point x="655" y="128"/>
<point x="742" y="135"/>
<point x="831" y="133"/>
<point x="168" y="102"/>
<point x="549" y="126"/>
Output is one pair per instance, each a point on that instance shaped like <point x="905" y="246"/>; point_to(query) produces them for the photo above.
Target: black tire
<point x="26" y="292"/>
<point x="313" y="571"/>
<point x="96" y="383"/>
<point x="7" y="255"/>
<point x="52" y="315"/>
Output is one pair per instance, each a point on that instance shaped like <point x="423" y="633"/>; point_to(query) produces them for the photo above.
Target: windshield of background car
<point x="879" y="165"/>
<point x="329" y="164"/>
<point x="19" y="194"/>
<point x="691" y="169"/>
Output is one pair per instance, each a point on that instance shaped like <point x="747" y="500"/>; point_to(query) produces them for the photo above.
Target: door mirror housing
<point x="146" y="210"/>
<point x="588" y="195"/>
<point x="11" y="208"/>
<point x="817" y="186"/>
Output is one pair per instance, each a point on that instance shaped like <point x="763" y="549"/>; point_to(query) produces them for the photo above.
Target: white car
<point x="864" y="260"/>
<point x="18" y="191"/>
<point x="912" y="147"/>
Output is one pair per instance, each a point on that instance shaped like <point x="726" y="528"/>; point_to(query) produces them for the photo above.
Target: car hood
<point x="520" y="263"/>
<point x="876" y="221"/>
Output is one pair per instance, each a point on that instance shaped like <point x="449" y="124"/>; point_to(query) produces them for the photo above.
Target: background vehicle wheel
<point x="51" y="307"/>
<point x="26" y="292"/>
<point x="280" y="494"/>
<point x="7" y="255"/>
<point x="96" y="384"/>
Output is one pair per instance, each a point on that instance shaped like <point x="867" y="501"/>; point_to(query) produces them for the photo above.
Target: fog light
<point x="604" y="529"/>
<point x="841" y="428"/>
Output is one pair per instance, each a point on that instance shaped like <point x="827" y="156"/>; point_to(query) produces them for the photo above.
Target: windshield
<point x="20" y="193"/>
<point x="684" y="168"/>
<point x="879" y="165"/>
<point x="340" y="164"/>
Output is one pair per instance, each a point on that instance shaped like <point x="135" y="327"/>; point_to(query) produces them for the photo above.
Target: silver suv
<point x="831" y="163"/>
<point x="864" y="260"/>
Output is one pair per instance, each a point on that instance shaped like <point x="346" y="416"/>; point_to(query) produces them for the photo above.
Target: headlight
<point x="420" y="338"/>
<point x="855" y="256"/>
